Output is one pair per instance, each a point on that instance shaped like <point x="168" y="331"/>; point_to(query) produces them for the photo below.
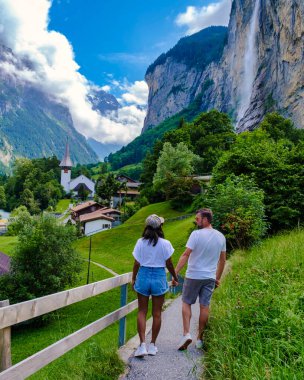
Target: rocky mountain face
<point x="103" y="101"/>
<point x="174" y="78"/>
<point x="31" y="124"/>
<point x="261" y="68"/>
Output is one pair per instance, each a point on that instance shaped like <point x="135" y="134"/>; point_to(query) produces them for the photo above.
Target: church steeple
<point x="66" y="165"/>
<point x="66" y="161"/>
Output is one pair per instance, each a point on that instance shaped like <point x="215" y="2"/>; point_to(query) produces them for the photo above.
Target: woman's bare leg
<point x="141" y="316"/>
<point x="157" y="304"/>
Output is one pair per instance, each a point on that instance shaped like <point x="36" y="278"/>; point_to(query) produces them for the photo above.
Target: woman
<point x="152" y="254"/>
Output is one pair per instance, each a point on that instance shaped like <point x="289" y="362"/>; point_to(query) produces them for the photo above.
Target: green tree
<point x="174" y="167"/>
<point x="277" y="169"/>
<point x="44" y="261"/>
<point x="39" y="178"/>
<point x="83" y="192"/>
<point x="107" y="186"/>
<point x="238" y="208"/>
<point x="19" y="218"/>
<point x="27" y="200"/>
<point x="2" y="197"/>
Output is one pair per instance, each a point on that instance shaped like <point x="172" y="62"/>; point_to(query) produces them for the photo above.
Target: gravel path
<point x="170" y="363"/>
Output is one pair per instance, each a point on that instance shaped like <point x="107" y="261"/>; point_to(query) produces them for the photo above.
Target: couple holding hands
<point x="206" y="256"/>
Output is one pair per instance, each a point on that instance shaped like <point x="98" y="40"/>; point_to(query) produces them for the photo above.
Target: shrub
<point x="44" y="261"/>
<point x="238" y="210"/>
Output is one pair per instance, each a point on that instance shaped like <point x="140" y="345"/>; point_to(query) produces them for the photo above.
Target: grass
<point x="162" y="209"/>
<point x="62" y="205"/>
<point x="7" y="244"/>
<point x="257" y="324"/>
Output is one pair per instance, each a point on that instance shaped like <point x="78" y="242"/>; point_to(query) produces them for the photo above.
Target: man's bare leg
<point x="186" y="311"/>
<point x="203" y="319"/>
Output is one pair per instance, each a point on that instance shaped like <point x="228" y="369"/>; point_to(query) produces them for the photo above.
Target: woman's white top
<point x="149" y="256"/>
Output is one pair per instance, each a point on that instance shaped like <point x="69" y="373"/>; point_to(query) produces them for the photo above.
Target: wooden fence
<point x="13" y="314"/>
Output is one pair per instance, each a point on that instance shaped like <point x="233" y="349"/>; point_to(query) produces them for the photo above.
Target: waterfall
<point x="249" y="64"/>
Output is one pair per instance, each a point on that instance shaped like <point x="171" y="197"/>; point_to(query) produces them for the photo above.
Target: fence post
<point x="5" y="344"/>
<point x="123" y="322"/>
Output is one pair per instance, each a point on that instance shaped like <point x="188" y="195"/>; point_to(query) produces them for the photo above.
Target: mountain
<point x="260" y="69"/>
<point x="103" y="101"/>
<point x="175" y="79"/>
<point x="102" y="150"/>
<point x="31" y="123"/>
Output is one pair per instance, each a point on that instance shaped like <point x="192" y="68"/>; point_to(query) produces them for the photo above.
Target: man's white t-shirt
<point x="149" y="256"/>
<point x="206" y="245"/>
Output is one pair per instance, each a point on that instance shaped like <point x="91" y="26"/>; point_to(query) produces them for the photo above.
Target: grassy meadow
<point x="62" y="205"/>
<point x="256" y="329"/>
<point x="97" y="357"/>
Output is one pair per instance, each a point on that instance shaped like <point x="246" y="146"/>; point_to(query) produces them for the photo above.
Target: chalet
<point x="131" y="189"/>
<point x="94" y="222"/>
<point x="5" y="263"/>
<point x="84" y="208"/>
<point x="112" y="213"/>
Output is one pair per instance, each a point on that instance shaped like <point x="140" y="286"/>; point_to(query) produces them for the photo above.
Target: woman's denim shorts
<point x="151" y="281"/>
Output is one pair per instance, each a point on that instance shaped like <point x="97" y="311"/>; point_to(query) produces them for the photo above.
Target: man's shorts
<point x="151" y="281"/>
<point x="198" y="288"/>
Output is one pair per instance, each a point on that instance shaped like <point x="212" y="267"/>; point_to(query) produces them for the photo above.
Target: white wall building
<point x="74" y="184"/>
<point x="95" y="222"/>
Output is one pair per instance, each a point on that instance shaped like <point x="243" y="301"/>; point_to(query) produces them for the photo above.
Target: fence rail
<point x="13" y="314"/>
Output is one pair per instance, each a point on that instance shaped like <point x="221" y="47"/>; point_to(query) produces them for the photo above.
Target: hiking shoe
<point x="199" y="344"/>
<point x="152" y="349"/>
<point x="141" y="351"/>
<point x="184" y="342"/>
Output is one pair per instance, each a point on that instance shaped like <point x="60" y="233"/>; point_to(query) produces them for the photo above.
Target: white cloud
<point x="197" y="18"/>
<point x="106" y="88"/>
<point x="24" y="29"/>
<point x="137" y="93"/>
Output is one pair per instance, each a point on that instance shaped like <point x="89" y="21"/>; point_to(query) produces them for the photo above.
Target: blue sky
<point x="119" y="37"/>
<point x="76" y="45"/>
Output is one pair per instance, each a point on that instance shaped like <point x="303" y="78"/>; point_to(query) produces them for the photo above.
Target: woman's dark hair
<point x="152" y="234"/>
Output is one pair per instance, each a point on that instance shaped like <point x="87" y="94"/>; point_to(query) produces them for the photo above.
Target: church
<point x="73" y="185"/>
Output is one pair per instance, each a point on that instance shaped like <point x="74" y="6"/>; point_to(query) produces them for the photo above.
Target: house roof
<point x="5" y="263"/>
<point x="107" y="210"/>
<point x="122" y="176"/>
<point x="84" y="205"/>
<point x="95" y="216"/>
<point x="66" y="161"/>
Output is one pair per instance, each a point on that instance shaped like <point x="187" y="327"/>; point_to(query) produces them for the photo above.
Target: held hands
<point x="174" y="282"/>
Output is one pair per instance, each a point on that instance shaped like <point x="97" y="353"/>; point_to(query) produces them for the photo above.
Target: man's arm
<point x="183" y="260"/>
<point x="220" y="268"/>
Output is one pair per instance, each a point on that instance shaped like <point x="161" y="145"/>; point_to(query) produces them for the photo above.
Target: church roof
<point x="66" y="161"/>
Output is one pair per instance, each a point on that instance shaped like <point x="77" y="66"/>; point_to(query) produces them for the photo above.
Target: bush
<point x="19" y="218"/>
<point x="44" y="261"/>
<point x="238" y="210"/>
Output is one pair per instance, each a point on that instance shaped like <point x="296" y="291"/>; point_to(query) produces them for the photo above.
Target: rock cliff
<point x="260" y="70"/>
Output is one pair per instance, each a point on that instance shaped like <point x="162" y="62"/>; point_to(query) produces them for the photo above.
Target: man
<point x="206" y="256"/>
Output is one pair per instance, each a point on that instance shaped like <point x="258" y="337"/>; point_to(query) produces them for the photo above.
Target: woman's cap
<point x="154" y="221"/>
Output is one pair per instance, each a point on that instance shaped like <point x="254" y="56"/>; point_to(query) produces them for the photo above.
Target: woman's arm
<point x="171" y="269"/>
<point x="135" y="271"/>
